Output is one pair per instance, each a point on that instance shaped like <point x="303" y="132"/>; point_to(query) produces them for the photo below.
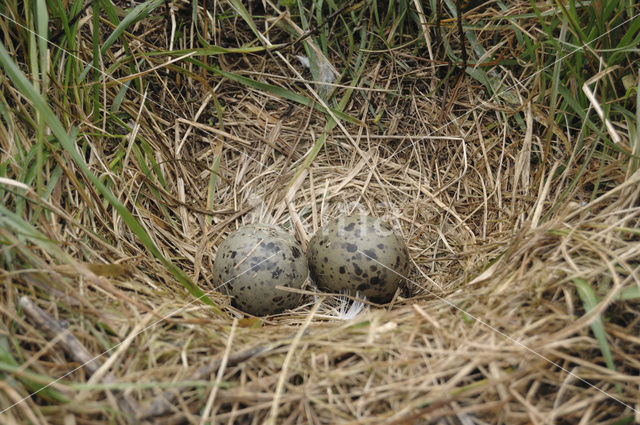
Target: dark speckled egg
<point x="360" y="254"/>
<point x="255" y="259"/>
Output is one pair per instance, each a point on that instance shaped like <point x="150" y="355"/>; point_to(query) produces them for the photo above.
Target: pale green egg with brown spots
<point x="358" y="253"/>
<point x="253" y="260"/>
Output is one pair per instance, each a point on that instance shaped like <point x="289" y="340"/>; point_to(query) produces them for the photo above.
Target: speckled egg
<point x="255" y="259"/>
<point x="358" y="253"/>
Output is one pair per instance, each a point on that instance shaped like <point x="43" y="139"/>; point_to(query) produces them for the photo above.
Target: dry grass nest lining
<point x="463" y="200"/>
<point x="460" y="204"/>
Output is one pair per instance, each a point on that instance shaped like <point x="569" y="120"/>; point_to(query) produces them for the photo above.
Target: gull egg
<point x="358" y="253"/>
<point x="253" y="260"/>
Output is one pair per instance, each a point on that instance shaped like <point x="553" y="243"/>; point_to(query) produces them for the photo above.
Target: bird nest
<point x="511" y="231"/>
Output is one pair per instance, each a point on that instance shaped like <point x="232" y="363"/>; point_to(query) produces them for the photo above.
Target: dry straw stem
<point x="79" y="353"/>
<point x="489" y="230"/>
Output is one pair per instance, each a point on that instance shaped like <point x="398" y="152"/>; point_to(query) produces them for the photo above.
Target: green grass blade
<point x="42" y="29"/>
<point x="629" y="294"/>
<point x="117" y="100"/>
<point x="95" y="63"/>
<point x="211" y="187"/>
<point x="139" y="12"/>
<point x="590" y="301"/>
<point x="635" y="133"/>
<point x="244" y="14"/>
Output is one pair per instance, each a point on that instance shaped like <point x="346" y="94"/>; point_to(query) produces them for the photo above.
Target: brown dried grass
<point x="488" y="330"/>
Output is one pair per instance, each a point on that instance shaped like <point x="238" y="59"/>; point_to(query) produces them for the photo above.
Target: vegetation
<point x="133" y="139"/>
